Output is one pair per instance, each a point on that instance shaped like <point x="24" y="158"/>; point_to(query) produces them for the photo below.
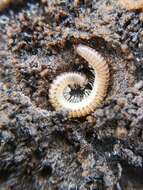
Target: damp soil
<point x="41" y="149"/>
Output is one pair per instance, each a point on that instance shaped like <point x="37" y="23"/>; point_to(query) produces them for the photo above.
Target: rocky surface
<point x="43" y="149"/>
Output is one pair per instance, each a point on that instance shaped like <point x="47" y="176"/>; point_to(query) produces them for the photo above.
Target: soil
<point x="41" y="149"/>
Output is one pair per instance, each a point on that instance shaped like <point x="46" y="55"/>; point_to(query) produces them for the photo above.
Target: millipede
<point x="62" y="95"/>
<point x="4" y="4"/>
<point x="132" y="4"/>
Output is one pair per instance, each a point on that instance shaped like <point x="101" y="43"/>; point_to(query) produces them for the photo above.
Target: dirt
<point x="43" y="149"/>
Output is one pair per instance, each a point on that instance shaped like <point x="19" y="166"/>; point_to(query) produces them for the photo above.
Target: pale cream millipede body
<point x="76" y="106"/>
<point x="131" y="4"/>
<point x="4" y="4"/>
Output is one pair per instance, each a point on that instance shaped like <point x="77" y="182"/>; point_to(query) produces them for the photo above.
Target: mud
<point x="43" y="149"/>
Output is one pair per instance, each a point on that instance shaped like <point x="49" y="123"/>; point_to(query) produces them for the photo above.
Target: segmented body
<point x="131" y="4"/>
<point x="88" y="103"/>
<point x="4" y="4"/>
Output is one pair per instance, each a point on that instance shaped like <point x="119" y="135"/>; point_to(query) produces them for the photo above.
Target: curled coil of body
<point x="81" y="105"/>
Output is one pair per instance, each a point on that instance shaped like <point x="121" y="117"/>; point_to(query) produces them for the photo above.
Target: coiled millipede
<point x="75" y="105"/>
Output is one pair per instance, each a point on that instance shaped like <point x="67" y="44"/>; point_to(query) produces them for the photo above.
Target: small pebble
<point x="139" y="85"/>
<point x="121" y="133"/>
